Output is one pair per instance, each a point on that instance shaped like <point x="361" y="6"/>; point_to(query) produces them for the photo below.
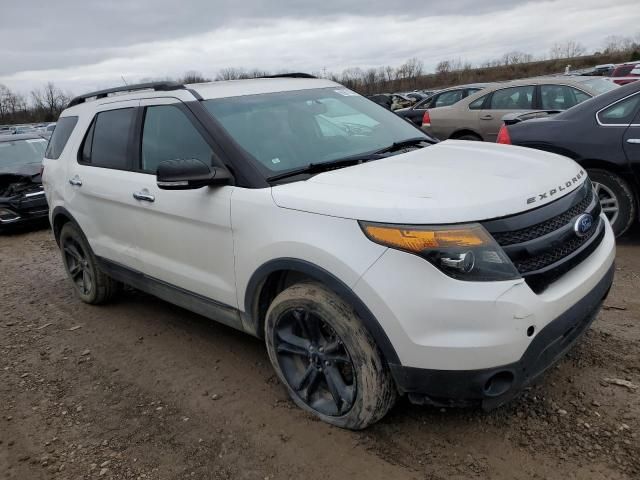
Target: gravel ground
<point x="142" y="389"/>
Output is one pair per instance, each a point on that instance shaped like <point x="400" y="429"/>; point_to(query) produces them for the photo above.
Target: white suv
<point x="373" y="260"/>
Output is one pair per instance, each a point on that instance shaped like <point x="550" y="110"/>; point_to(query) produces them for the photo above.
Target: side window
<point x="471" y="91"/>
<point x="477" y="103"/>
<point x="107" y="139"/>
<point x="60" y="137"/>
<point x="169" y="135"/>
<point x="620" y="113"/>
<point x="448" y="98"/>
<point x="513" y="98"/>
<point x="560" y="97"/>
<point x="580" y="95"/>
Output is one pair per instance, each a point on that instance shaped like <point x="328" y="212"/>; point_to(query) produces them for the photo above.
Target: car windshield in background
<point x="21" y="152"/>
<point x="600" y="85"/>
<point x="290" y="130"/>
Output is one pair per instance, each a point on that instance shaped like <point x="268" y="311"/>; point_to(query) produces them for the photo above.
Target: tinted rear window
<point x="107" y="140"/>
<point x="60" y="136"/>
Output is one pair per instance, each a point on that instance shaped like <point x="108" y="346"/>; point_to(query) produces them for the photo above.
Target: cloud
<point x="308" y="39"/>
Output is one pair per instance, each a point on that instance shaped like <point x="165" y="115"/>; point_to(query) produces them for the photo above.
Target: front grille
<point x="549" y="257"/>
<point x="542" y="243"/>
<point x="543" y="228"/>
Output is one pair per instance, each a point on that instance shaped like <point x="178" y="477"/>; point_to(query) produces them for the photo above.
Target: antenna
<point x="124" y="81"/>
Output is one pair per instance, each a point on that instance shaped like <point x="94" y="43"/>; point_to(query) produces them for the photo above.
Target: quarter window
<point x="477" y="103"/>
<point x="560" y="97"/>
<point x="169" y="135"/>
<point x="449" y="98"/>
<point x="620" y="113"/>
<point x="60" y="137"/>
<point x="513" y="98"/>
<point x="106" y="142"/>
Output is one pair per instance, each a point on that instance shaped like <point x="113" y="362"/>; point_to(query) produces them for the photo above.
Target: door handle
<point x="486" y="117"/>
<point x="633" y="140"/>
<point x="144" y="195"/>
<point x="75" y="181"/>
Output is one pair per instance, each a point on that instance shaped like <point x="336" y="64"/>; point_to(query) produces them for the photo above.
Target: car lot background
<point x="144" y="389"/>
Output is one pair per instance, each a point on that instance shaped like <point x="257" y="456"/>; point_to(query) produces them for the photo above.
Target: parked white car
<point x="372" y="260"/>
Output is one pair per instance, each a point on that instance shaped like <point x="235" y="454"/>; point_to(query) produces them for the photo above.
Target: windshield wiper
<point x="404" y="143"/>
<point x="317" y="168"/>
<point x="349" y="161"/>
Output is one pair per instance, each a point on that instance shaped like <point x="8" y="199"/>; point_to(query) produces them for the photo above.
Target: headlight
<point x="465" y="252"/>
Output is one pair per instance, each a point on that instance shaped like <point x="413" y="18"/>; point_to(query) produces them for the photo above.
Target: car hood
<point x="453" y="181"/>
<point x="24" y="169"/>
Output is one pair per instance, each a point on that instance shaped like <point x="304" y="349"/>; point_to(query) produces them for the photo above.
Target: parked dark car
<point x="22" y="197"/>
<point x="441" y="98"/>
<point x="601" y="134"/>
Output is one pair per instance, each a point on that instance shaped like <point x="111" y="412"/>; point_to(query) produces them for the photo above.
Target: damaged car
<point x="22" y="198"/>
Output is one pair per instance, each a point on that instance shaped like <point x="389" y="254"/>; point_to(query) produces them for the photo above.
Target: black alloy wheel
<point x="77" y="264"/>
<point x="315" y="362"/>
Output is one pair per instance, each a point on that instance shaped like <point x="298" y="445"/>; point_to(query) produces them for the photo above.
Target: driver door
<point x="186" y="239"/>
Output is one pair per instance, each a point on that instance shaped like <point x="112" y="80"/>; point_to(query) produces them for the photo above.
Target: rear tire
<point x="326" y="358"/>
<point x="470" y="137"/>
<point x="617" y="199"/>
<point x="90" y="284"/>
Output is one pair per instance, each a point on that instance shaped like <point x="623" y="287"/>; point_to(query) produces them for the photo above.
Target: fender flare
<point x="370" y="322"/>
<point x="64" y="212"/>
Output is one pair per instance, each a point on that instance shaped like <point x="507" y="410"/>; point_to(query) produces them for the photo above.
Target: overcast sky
<point x="83" y="45"/>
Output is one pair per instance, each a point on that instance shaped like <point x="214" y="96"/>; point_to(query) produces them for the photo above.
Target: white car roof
<point x="209" y="90"/>
<point x="236" y="88"/>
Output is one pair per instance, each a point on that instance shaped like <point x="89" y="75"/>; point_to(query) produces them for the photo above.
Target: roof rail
<point x="157" y="86"/>
<point x="290" y="75"/>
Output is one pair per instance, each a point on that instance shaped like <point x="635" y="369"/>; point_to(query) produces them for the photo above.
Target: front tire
<point x="325" y="357"/>
<point x="617" y="199"/>
<point x="89" y="282"/>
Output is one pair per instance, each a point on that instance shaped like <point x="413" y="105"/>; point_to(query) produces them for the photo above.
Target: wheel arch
<point x="465" y="131"/>
<point x="269" y="279"/>
<point x="621" y="171"/>
<point x="59" y="217"/>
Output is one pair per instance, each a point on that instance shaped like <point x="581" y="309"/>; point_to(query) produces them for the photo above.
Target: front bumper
<point x="23" y="210"/>
<point x="492" y="387"/>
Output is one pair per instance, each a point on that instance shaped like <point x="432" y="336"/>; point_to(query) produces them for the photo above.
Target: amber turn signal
<point x="418" y="239"/>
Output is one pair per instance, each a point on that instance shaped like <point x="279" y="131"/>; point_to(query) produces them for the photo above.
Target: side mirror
<point x="189" y="174"/>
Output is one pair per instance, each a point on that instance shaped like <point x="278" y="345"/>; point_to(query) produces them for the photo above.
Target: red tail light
<point x="503" y="136"/>
<point x="426" y="119"/>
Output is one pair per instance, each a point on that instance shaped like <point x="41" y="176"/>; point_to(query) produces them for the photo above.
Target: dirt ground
<point x="142" y="389"/>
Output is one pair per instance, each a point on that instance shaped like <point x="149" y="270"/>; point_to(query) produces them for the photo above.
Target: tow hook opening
<point x="499" y="383"/>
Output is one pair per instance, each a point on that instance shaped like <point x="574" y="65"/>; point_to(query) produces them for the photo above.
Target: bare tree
<point x="193" y="76"/>
<point x="568" y="49"/>
<point x="230" y="73"/>
<point x="617" y="44"/>
<point x="516" y="57"/>
<point x="50" y="100"/>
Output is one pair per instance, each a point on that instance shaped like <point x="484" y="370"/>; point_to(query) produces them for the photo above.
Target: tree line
<point x="46" y="103"/>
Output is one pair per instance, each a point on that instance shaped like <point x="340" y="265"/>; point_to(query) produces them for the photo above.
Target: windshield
<point x="600" y="85"/>
<point x="289" y="130"/>
<point x="21" y="152"/>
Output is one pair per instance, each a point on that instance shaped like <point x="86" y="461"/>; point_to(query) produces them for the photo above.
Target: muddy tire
<point x="616" y="198"/>
<point x="325" y="357"/>
<point x="89" y="282"/>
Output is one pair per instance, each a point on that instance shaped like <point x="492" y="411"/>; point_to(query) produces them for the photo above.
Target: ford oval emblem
<point x="583" y="224"/>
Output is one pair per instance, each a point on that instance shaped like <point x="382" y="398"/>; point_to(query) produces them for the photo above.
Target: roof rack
<point x="290" y="75"/>
<point x="157" y="86"/>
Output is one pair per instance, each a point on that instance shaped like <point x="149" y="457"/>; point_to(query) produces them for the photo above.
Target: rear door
<point x="501" y="102"/>
<point x="631" y="137"/>
<point x="99" y="184"/>
<point x="185" y="239"/>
